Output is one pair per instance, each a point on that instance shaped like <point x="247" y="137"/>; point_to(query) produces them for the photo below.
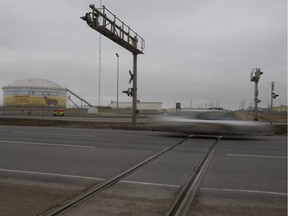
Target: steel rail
<point x="109" y="182"/>
<point x="182" y="203"/>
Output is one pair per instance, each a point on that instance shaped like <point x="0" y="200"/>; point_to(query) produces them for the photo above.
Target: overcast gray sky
<point x="197" y="51"/>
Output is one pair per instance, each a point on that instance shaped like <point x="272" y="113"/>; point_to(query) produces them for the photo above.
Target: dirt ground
<point x="21" y="199"/>
<point x="277" y="117"/>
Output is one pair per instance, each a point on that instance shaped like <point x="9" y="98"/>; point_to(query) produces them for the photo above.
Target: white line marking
<point x="46" y="144"/>
<point x="245" y="191"/>
<point x="257" y="156"/>
<point x="50" y="174"/>
<point x="84" y="177"/>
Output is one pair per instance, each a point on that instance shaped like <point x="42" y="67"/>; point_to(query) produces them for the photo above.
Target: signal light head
<point x="87" y="18"/>
<point x="274" y="95"/>
<point x="129" y="92"/>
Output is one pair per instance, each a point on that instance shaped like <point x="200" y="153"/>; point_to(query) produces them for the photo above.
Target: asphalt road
<point x="41" y="167"/>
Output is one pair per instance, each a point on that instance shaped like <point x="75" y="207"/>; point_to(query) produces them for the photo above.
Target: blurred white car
<point x="210" y="123"/>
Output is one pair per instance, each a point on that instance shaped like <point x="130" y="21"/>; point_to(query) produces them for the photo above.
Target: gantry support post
<point x="134" y="99"/>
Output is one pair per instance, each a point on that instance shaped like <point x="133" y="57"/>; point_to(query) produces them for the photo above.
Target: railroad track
<point x="182" y="202"/>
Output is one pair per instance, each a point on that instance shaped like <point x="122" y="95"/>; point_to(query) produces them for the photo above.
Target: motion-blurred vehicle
<point x="209" y="123"/>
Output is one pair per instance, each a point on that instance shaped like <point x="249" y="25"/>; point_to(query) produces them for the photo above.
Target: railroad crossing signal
<point x="274" y="95"/>
<point x="129" y="92"/>
<point x="131" y="76"/>
<point x="254" y="77"/>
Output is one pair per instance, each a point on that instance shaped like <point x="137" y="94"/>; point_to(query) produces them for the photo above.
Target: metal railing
<point x="105" y="19"/>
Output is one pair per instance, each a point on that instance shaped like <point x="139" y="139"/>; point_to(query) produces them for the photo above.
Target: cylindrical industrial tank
<point x="34" y="92"/>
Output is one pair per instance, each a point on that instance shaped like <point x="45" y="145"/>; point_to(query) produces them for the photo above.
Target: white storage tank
<point x="34" y="92"/>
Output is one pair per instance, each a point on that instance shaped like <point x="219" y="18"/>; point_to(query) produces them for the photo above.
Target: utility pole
<point x="254" y="77"/>
<point x="105" y="22"/>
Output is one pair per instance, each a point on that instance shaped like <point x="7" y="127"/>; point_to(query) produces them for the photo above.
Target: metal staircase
<point x="77" y="96"/>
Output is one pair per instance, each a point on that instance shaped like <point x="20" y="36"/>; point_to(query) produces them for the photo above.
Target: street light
<point x="117" y="80"/>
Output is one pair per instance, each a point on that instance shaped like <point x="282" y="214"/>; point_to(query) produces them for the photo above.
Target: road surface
<point x="41" y="168"/>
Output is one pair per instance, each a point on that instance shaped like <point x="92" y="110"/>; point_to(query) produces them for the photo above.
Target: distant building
<point x="34" y="92"/>
<point x="281" y="108"/>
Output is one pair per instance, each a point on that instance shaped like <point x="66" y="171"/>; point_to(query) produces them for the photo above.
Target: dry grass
<point x="277" y="117"/>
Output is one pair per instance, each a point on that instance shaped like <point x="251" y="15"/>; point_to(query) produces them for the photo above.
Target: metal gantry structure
<point x="106" y="23"/>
